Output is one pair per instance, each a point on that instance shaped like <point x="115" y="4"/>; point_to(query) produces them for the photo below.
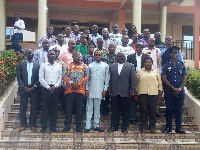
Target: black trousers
<point x="148" y="105"/>
<point x="49" y="107"/>
<point x="104" y="104"/>
<point x="133" y="110"/>
<point x="71" y="99"/>
<point x="23" y="108"/>
<point x="120" y="104"/>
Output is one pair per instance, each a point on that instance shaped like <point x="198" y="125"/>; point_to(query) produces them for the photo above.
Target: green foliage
<point x="8" y="67"/>
<point x="193" y="83"/>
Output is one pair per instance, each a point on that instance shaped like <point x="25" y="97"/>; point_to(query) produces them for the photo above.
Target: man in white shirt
<point x="154" y="53"/>
<point x="19" y="27"/>
<point x="124" y="48"/>
<point x="50" y="76"/>
<point x="115" y="36"/>
<point x="60" y="44"/>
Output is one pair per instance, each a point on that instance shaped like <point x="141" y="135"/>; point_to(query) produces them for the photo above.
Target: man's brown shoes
<point x="33" y="129"/>
<point x="22" y="129"/>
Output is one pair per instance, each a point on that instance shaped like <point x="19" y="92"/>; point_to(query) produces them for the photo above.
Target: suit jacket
<point x="122" y="84"/>
<point x="132" y="59"/>
<point x="22" y="75"/>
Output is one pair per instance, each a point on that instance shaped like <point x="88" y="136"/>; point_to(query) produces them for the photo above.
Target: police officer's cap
<point x="174" y="49"/>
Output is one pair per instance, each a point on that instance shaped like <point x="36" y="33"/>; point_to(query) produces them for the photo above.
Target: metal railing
<point x="187" y="48"/>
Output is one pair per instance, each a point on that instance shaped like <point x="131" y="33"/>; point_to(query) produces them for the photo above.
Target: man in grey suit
<point x="121" y="89"/>
<point x="28" y="81"/>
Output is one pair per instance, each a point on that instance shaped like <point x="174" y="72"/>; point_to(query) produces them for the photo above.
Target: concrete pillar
<point x="137" y="14"/>
<point x="42" y="17"/>
<point x="163" y="22"/>
<point x="196" y="39"/>
<point x="122" y="18"/>
<point x="2" y="25"/>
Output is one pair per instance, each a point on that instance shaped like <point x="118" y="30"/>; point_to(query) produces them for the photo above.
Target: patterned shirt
<point x="94" y="38"/>
<point x="116" y="38"/>
<point x="82" y="49"/>
<point x="126" y="50"/>
<point x="78" y="73"/>
<point x="76" y="37"/>
<point x="87" y="59"/>
<point x="62" y="48"/>
<point x="109" y="59"/>
<point x="103" y="51"/>
<point x="52" y="40"/>
<point x="66" y="57"/>
<point x="40" y="56"/>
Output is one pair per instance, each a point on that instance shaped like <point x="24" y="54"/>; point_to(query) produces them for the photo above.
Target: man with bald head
<point x="121" y="89"/>
<point x="28" y="81"/>
<point x="158" y="42"/>
<point x="125" y="48"/>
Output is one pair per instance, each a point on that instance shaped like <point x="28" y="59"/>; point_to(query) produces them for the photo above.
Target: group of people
<point x="84" y="71"/>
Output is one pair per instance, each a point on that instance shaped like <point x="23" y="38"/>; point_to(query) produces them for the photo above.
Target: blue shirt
<point x="98" y="80"/>
<point x="174" y="74"/>
<point x="87" y="59"/>
<point x="94" y="38"/>
<point x="145" y="42"/>
<point x="166" y="56"/>
<point x="29" y="71"/>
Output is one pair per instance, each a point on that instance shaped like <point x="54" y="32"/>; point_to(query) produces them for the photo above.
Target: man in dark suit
<point x="121" y="89"/>
<point x="28" y="81"/>
<point x="137" y="60"/>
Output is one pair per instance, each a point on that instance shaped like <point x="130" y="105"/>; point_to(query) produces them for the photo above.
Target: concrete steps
<point x="13" y="139"/>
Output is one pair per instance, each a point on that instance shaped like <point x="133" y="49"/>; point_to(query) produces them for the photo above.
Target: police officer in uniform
<point x="174" y="77"/>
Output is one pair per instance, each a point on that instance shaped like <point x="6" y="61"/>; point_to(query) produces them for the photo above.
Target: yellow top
<point x="149" y="82"/>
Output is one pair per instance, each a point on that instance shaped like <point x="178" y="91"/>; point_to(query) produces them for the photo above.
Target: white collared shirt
<point x="29" y="71"/>
<point x="19" y="23"/>
<point x="138" y="58"/>
<point x="120" y="66"/>
<point x="50" y="75"/>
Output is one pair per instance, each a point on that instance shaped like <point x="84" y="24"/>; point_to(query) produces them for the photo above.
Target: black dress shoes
<point x="98" y="129"/>
<point x="125" y="131"/>
<point x="86" y="130"/>
<point x="66" y="129"/>
<point x="111" y="129"/>
<point x="43" y="130"/>
<point x="167" y="130"/>
<point x="53" y="129"/>
<point x="79" y="130"/>
<point x="180" y="131"/>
